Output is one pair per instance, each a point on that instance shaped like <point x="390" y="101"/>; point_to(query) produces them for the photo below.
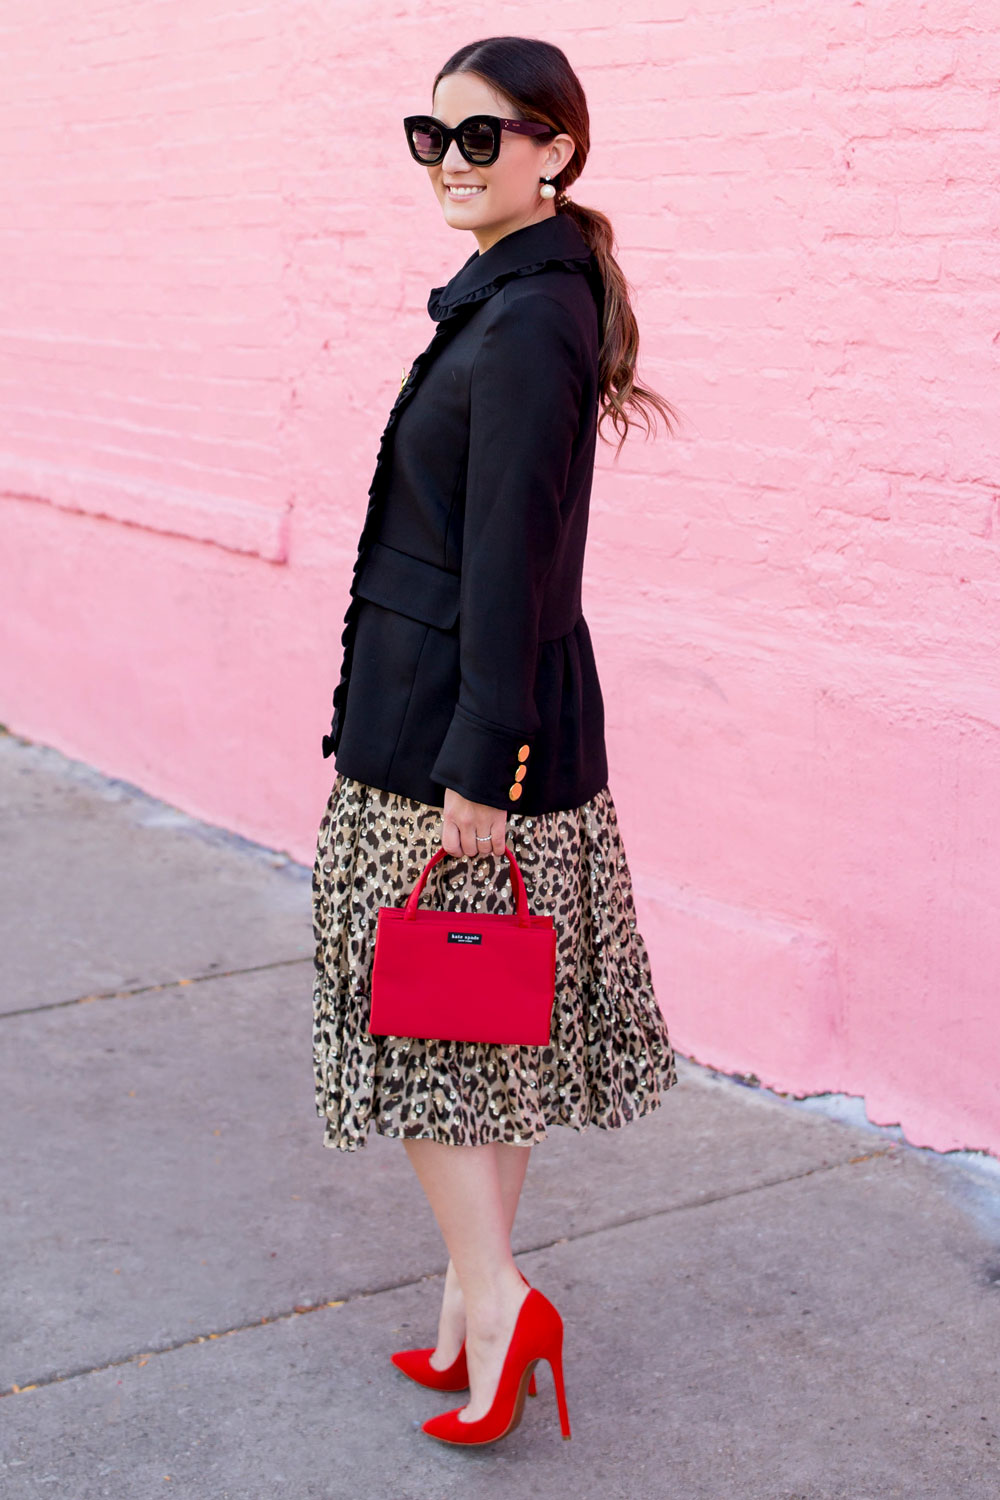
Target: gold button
<point x="524" y="752"/>
<point x="515" y="791"/>
<point x="520" y="773"/>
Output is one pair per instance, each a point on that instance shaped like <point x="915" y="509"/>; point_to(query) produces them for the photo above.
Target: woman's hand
<point x="465" y="822"/>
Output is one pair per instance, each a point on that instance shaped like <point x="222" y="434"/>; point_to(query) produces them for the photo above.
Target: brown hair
<point x="537" y="79"/>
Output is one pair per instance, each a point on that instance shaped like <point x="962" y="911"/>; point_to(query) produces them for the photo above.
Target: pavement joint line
<point x="146" y="989"/>
<point x="142" y="1356"/>
<point x="720" y="1197"/>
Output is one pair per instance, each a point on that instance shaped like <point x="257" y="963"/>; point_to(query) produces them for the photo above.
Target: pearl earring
<point x="547" y="188"/>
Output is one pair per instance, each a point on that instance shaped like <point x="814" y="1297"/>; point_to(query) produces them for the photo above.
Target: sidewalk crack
<point x="146" y="989"/>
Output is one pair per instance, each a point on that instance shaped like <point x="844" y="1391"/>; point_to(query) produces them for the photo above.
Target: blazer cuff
<point x="484" y="762"/>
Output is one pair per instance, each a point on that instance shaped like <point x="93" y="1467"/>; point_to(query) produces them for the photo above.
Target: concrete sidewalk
<point x="762" y="1302"/>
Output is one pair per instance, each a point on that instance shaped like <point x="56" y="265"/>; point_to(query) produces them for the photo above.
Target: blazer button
<point x="515" y="791"/>
<point x="520" y="773"/>
<point x="524" y="752"/>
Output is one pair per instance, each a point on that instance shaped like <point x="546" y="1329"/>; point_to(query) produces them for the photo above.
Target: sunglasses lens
<point x="478" y="140"/>
<point x="425" y="138"/>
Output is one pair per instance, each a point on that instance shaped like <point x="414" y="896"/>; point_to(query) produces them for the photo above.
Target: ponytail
<point x="619" y="387"/>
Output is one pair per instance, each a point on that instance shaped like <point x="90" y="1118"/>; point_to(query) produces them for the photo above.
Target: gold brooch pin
<point x="403" y="381"/>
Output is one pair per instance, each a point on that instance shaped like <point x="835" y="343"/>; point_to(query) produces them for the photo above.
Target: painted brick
<point x="904" y="61"/>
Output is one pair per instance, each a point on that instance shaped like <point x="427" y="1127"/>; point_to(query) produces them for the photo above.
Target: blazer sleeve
<point x="525" y="393"/>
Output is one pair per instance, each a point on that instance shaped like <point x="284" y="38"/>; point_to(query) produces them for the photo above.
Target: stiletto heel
<point x="557" y="1374"/>
<point x="416" y="1363"/>
<point x="538" y="1334"/>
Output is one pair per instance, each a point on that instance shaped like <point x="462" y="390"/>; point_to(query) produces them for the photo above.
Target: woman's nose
<point x="453" y="160"/>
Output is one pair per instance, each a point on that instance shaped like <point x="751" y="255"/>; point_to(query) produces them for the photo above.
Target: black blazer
<point x="467" y="661"/>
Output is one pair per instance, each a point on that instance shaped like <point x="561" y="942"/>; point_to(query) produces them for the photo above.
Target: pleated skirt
<point x="609" y="1059"/>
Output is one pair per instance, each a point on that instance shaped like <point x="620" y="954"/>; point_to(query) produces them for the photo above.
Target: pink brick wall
<point x="212" y="276"/>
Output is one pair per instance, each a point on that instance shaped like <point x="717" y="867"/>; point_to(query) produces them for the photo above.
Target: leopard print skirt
<point x="609" y="1058"/>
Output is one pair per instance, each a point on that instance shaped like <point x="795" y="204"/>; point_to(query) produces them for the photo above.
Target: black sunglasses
<point x="478" y="137"/>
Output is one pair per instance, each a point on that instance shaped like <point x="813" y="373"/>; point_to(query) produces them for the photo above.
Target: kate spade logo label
<point x="465" y="937"/>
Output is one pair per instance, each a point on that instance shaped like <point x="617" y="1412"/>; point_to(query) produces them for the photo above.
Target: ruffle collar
<point x="553" y="241"/>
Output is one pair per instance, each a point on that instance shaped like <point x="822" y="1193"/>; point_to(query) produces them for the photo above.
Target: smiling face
<point x="506" y="196"/>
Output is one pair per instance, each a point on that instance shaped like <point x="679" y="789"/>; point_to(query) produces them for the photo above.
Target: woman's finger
<point x="451" y="838"/>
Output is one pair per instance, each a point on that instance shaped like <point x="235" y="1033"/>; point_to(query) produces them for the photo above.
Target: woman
<point x="469" y="711"/>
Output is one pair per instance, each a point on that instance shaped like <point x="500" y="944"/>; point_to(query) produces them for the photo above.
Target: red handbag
<point x="464" y="976"/>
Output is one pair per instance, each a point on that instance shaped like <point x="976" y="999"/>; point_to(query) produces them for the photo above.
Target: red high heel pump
<point x="538" y="1334"/>
<point x="416" y="1363"/>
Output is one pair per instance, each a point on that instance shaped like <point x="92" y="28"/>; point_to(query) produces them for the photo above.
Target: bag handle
<point x="516" y="880"/>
